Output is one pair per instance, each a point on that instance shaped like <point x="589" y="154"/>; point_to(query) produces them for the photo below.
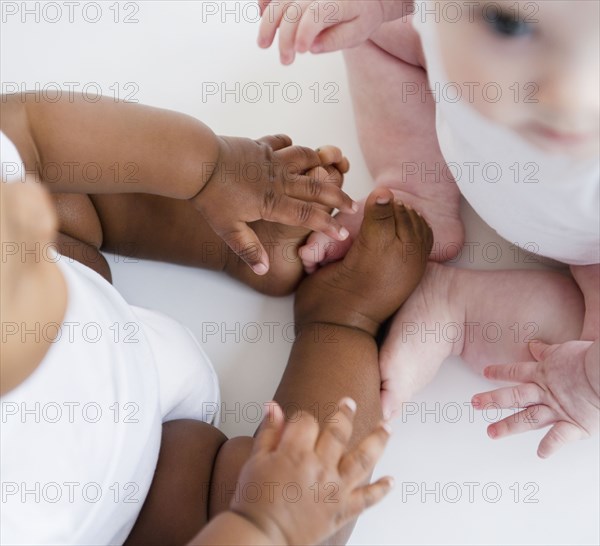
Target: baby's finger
<point x="333" y="176"/>
<point x="329" y="155"/>
<point x="311" y="189"/>
<point x="270" y="21"/>
<point x="520" y="372"/>
<point x="531" y="418"/>
<point x="334" y="438"/>
<point x="301" y="434"/>
<point x="357" y="465"/>
<point x="298" y="159"/>
<point x="288" y="28"/>
<point x="519" y="396"/>
<point x="318" y="19"/>
<point x="366" y="496"/>
<point x="338" y="37"/>
<point x="269" y="433"/>
<point x="245" y="243"/>
<point x="559" y="435"/>
<point x="277" y="142"/>
<point x="293" y="212"/>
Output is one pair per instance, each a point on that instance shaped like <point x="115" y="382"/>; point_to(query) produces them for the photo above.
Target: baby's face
<point x="543" y="56"/>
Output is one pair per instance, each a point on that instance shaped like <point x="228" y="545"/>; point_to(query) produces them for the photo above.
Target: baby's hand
<point x="560" y="389"/>
<point x="313" y="484"/>
<point x="265" y="180"/>
<point x="321" y="25"/>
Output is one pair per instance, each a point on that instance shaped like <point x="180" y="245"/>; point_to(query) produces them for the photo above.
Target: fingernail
<point x="260" y="269"/>
<point x="387" y="427"/>
<point x="391" y="482"/>
<point x="344" y="233"/>
<point x="355" y="206"/>
<point x="476" y="402"/>
<point x="492" y="432"/>
<point x="349" y="403"/>
<point x="383" y="200"/>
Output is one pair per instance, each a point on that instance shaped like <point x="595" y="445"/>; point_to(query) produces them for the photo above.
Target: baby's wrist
<point x="264" y="529"/>
<point x="313" y="307"/>
<point x="209" y="168"/>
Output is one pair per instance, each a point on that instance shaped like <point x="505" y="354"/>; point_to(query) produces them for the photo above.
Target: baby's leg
<point x="395" y="117"/>
<point x="177" y="504"/>
<point x="484" y="317"/>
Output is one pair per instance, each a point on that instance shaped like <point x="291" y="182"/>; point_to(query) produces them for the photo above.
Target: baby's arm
<point x="77" y="146"/>
<point x="103" y="147"/>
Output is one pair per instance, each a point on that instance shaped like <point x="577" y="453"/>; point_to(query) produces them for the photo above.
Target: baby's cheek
<point x="490" y="80"/>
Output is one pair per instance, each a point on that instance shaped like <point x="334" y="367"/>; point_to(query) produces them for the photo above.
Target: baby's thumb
<point x="540" y="350"/>
<point x="246" y="244"/>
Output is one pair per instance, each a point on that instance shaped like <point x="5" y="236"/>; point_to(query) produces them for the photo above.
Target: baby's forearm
<point x="75" y="145"/>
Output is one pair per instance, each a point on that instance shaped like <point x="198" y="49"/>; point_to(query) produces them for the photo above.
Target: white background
<point x="172" y="49"/>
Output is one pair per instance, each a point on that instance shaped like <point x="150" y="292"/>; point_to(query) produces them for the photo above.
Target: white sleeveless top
<point x="81" y="435"/>
<point x="547" y="203"/>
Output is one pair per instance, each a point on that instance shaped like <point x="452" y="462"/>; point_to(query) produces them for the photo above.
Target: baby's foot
<point x="486" y="317"/>
<point x="379" y="272"/>
<point x="440" y="211"/>
<point x="439" y="204"/>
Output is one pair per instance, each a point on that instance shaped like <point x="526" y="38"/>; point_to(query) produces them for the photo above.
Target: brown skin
<point x="77" y="146"/>
<point x="338" y="312"/>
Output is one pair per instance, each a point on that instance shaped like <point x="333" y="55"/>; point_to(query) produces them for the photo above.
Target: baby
<point x="146" y="465"/>
<point x="498" y="101"/>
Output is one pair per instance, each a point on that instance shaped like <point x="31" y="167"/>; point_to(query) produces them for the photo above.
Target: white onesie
<point x="81" y="435"/>
<point x="547" y="204"/>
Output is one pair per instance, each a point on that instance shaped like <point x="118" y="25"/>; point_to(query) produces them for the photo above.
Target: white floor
<point x="454" y="485"/>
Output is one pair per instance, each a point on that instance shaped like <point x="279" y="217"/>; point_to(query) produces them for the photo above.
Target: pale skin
<point x="558" y="52"/>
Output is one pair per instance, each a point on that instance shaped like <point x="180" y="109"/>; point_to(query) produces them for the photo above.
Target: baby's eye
<point x="506" y="24"/>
